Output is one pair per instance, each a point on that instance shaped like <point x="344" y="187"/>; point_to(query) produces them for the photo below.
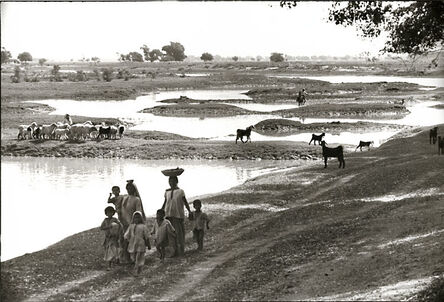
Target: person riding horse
<point x="302" y="97"/>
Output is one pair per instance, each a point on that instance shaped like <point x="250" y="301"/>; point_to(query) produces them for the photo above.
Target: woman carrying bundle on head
<point x="174" y="203"/>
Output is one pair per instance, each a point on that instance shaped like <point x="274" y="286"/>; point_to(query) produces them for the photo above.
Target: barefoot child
<point x="138" y="236"/>
<point x="113" y="231"/>
<point x="200" y="221"/>
<point x="165" y="235"/>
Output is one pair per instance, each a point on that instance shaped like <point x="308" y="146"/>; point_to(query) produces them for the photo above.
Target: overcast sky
<point x="64" y="31"/>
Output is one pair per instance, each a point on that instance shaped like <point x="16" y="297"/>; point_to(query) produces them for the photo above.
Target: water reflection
<point x="53" y="198"/>
<point x="223" y="128"/>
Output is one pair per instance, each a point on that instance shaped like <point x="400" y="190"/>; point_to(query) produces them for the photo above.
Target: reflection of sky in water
<point x="264" y="107"/>
<point x="223" y="128"/>
<point x="60" y="197"/>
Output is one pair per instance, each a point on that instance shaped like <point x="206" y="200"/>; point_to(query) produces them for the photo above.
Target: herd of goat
<point x="65" y="131"/>
<point x="62" y="131"/>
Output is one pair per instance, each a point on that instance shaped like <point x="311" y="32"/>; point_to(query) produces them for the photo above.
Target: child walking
<point x="138" y="236"/>
<point x="113" y="231"/>
<point x="164" y="235"/>
<point x="200" y="221"/>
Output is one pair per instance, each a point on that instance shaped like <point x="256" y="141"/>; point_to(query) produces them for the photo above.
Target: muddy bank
<point x="158" y="145"/>
<point x="283" y="127"/>
<point x="331" y="233"/>
<point x="198" y="110"/>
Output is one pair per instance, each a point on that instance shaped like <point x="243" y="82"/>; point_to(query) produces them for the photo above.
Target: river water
<point x="47" y="199"/>
<point x="223" y="128"/>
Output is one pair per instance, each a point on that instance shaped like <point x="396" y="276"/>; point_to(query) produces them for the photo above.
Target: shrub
<point x="81" y="76"/>
<point x="15" y="78"/>
<point x="97" y="74"/>
<point x="55" y="74"/>
<point x="107" y="74"/>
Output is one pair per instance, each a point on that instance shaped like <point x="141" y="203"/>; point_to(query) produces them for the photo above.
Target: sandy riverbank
<point x="373" y="230"/>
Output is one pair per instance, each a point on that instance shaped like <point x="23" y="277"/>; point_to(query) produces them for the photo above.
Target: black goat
<point x="240" y="133"/>
<point x="315" y="138"/>
<point x="364" y="144"/>
<point x="433" y="135"/>
<point x="121" y="129"/>
<point x="104" y="132"/>
<point x="333" y="152"/>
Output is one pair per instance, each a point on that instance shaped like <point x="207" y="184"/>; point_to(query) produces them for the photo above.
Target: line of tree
<point x="172" y="52"/>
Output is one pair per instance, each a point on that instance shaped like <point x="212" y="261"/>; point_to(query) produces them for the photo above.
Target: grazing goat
<point x="48" y="130"/>
<point x="240" y="133"/>
<point x="104" y="132"/>
<point x="315" y="138"/>
<point x="121" y="129"/>
<point x="364" y="144"/>
<point x="433" y="135"/>
<point x="61" y="133"/>
<point x="333" y="152"/>
<point x="26" y="131"/>
<point x="37" y="132"/>
<point x="113" y="132"/>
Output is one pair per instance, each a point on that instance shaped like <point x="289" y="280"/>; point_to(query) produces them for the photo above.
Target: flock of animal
<point x="62" y="131"/>
<point x="65" y="131"/>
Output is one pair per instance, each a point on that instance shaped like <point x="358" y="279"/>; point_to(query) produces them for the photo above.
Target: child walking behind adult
<point x="138" y="236"/>
<point x="164" y="234"/>
<point x="200" y="221"/>
<point x="113" y="231"/>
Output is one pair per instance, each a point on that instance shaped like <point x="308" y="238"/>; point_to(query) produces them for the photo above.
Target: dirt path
<point x="47" y="294"/>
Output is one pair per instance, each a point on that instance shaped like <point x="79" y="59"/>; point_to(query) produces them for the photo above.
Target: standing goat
<point x="364" y="144"/>
<point x="315" y="138"/>
<point x="240" y="133"/>
<point x="333" y="152"/>
<point x="433" y="135"/>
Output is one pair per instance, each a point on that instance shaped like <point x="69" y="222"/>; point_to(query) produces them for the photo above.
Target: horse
<point x="240" y="133"/>
<point x="301" y="100"/>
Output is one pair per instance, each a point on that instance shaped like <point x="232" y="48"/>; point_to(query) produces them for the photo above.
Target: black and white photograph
<point x="222" y="151"/>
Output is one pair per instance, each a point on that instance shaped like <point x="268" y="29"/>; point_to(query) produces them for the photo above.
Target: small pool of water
<point x="47" y="199"/>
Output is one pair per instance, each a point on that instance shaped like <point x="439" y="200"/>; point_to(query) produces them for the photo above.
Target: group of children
<point x="135" y="237"/>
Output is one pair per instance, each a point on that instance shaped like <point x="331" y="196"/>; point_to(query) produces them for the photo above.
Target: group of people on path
<point x="127" y="237"/>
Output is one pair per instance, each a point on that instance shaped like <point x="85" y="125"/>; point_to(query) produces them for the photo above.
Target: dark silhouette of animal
<point x="364" y="144"/>
<point x="433" y="135"/>
<point x="315" y="138"/>
<point x="104" y="132"/>
<point x="240" y="133"/>
<point x="440" y="145"/>
<point x="333" y="152"/>
<point x="301" y="100"/>
<point x="121" y="129"/>
<point x="301" y="97"/>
